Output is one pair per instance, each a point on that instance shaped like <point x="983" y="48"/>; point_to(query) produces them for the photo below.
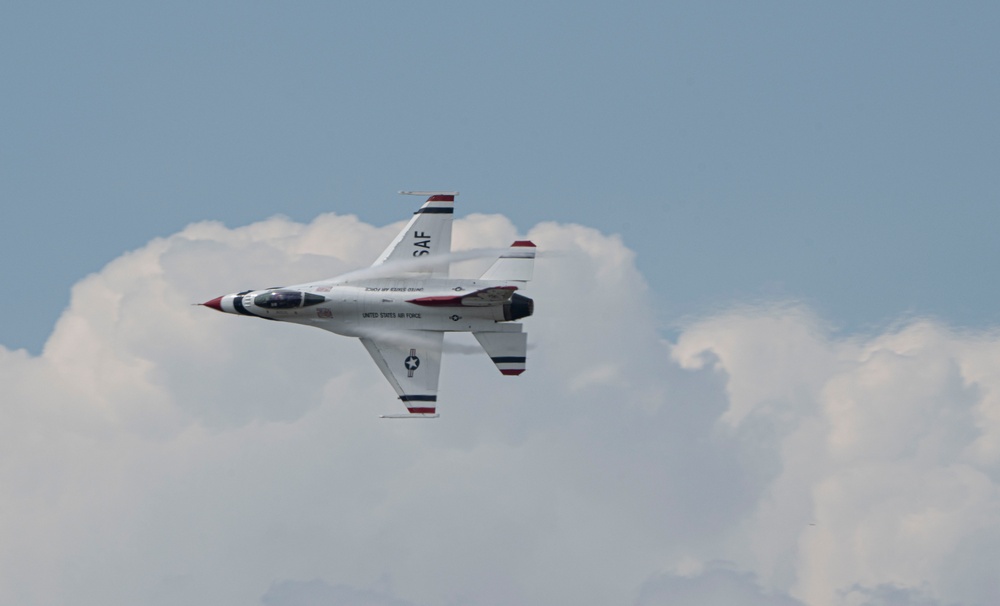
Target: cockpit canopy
<point x="287" y="299"/>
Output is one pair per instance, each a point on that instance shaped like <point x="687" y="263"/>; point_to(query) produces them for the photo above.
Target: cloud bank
<point x="159" y="453"/>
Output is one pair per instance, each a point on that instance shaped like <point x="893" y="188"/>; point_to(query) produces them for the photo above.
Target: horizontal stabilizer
<point x="508" y="350"/>
<point x="412" y="416"/>
<point x="517" y="264"/>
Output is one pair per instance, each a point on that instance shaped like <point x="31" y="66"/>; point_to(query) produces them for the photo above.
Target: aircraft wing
<point x="427" y="234"/>
<point x="411" y="361"/>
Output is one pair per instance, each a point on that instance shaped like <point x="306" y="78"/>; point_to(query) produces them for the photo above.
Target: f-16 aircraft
<point x="403" y="305"/>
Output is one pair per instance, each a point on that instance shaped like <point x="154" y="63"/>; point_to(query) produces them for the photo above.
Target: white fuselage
<point x="402" y="305"/>
<point x="355" y="308"/>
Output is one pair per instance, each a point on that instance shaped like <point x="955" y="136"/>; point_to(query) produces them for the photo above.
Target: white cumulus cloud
<point x="160" y="453"/>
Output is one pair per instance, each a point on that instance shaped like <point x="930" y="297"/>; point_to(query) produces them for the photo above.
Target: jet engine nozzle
<point x="519" y="307"/>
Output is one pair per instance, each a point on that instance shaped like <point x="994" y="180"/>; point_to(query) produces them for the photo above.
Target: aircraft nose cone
<point x="215" y="303"/>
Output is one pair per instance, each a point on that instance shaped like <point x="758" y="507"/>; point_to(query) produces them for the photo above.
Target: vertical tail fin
<point x="517" y="264"/>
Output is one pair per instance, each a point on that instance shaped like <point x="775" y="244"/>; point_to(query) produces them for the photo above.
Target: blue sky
<point x="843" y="155"/>
<point x="801" y="198"/>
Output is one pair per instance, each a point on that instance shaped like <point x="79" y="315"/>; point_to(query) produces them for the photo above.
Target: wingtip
<point x="428" y="193"/>
<point x="433" y="196"/>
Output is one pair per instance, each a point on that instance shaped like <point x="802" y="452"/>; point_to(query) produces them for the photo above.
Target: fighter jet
<point x="402" y="306"/>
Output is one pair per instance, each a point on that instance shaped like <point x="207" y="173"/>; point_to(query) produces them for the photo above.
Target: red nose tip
<point x="215" y="303"/>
